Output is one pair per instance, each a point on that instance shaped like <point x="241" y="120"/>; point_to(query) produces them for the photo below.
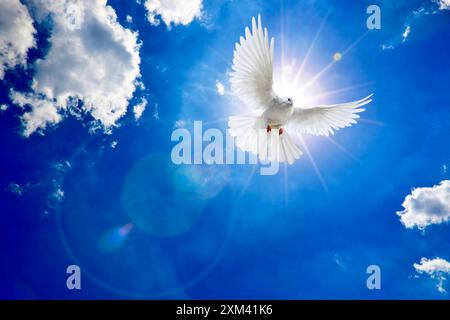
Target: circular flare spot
<point x="337" y="56"/>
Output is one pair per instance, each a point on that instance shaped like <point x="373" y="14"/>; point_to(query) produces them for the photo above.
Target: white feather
<point x="251" y="79"/>
<point x="324" y="120"/>
<point x="251" y="136"/>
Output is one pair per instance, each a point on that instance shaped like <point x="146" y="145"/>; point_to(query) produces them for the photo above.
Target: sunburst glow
<point x="284" y="86"/>
<point x="291" y="80"/>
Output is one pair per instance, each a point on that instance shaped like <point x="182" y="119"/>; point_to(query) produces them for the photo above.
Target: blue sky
<point x="80" y="184"/>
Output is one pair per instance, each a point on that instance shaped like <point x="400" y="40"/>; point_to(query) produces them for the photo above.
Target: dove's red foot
<point x="269" y="128"/>
<point x="280" y="131"/>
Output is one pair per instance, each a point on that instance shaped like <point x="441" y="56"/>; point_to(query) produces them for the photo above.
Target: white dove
<point x="252" y="82"/>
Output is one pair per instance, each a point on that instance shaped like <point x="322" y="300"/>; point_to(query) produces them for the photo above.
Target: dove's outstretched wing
<point x="324" y="120"/>
<point x="252" y="76"/>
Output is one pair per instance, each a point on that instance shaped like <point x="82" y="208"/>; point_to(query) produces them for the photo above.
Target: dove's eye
<point x="289" y="99"/>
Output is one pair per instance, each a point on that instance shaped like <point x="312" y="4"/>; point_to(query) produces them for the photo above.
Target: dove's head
<point x="287" y="101"/>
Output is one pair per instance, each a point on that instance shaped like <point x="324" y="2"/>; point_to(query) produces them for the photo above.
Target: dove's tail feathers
<point x="292" y="151"/>
<point x="252" y="136"/>
<point x="281" y="148"/>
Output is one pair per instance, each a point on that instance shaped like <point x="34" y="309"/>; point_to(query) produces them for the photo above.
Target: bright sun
<point x="291" y="81"/>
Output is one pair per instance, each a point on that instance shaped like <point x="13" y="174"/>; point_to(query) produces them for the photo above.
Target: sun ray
<point x="372" y="122"/>
<point x="343" y="149"/>
<point x="316" y="77"/>
<point x="313" y="163"/>
<point x="355" y="43"/>
<point x="332" y="63"/>
<point x="248" y="181"/>
<point x="282" y="40"/>
<point x="308" y="52"/>
<point x="286" y="190"/>
<point x="337" y="91"/>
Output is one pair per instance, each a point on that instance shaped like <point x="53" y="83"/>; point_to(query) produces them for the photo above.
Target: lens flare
<point x="169" y="201"/>
<point x="337" y="56"/>
<point x="114" y="239"/>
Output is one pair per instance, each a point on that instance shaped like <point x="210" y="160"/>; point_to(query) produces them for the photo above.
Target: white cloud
<point x="43" y="112"/>
<point x="173" y="11"/>
<point x="129" y="18"/>
<point x="436" y="268"/>
<point x="62" y="168"/>
<point x="17" y="34"/>
<point x="15" y="188"/>
<point x="92" y="59"/>
<point x="3" y="107"/>
<point x="387" y="47"/>
<point x="426" y="206"/>
<point x="443" y="4"/>
<point x="139" y="109"/>
<point x="58" y="194"/>
<point x="220" y="88"/>
<point x="406" y="33"/>
<point x="156" y="111"/>
<point x="139" y="84"/>
<point x="412" y="18"/>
